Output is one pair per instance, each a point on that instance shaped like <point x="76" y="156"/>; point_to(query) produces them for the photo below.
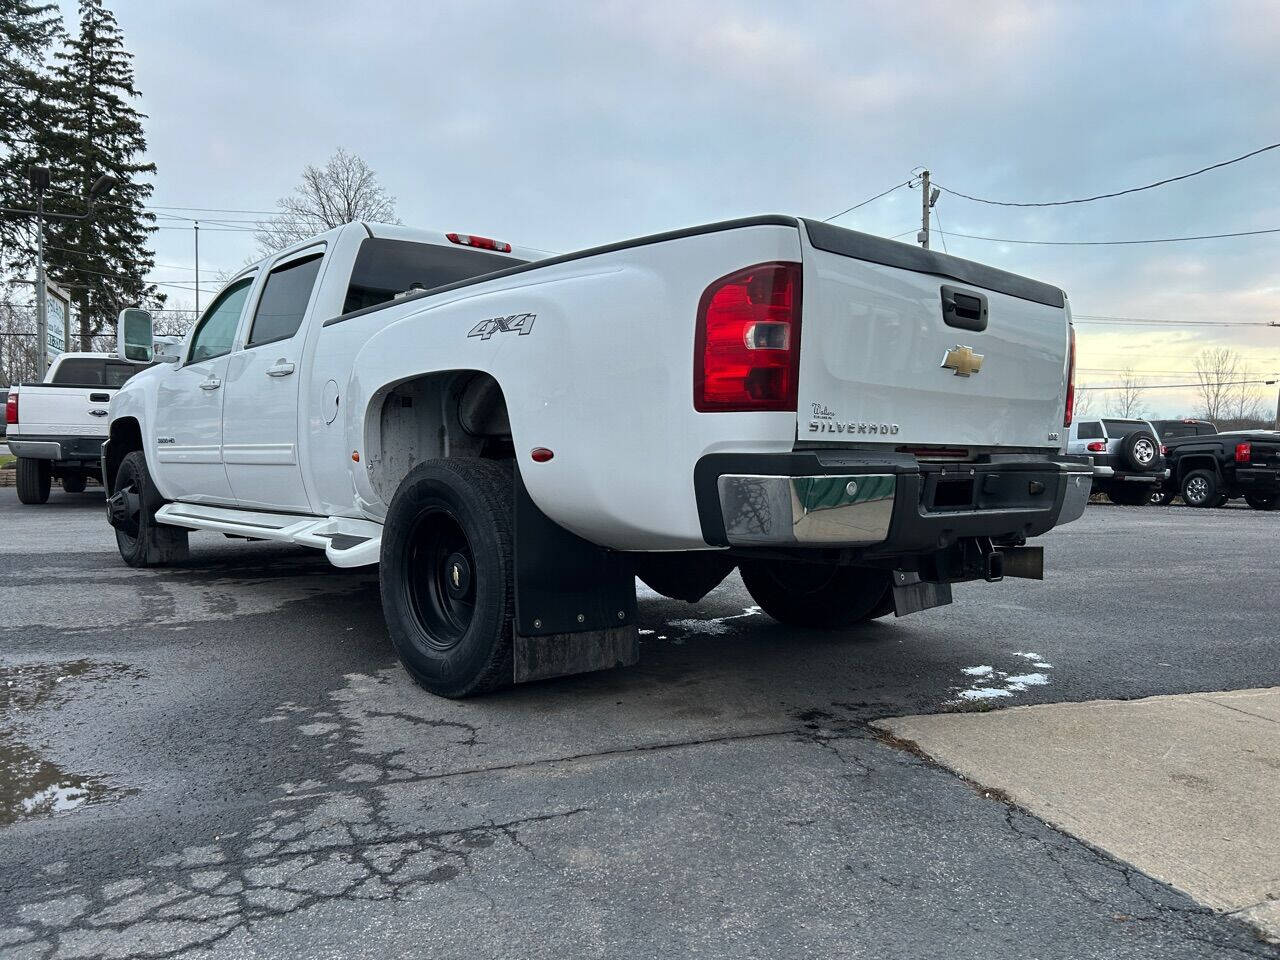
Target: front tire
<point x="34" y="478"/>
<point x="1262" y="501"/>
<point x="447" y="575"/>
<point x="819" y="595"/>
<point x="132" y="511"/>
<point x="74" y="482"/>
<point x="1200" y="489"/>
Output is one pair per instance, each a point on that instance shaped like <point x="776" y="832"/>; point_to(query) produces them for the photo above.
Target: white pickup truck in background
<point x="55" y="428"/>
<point x="854" y="424"/>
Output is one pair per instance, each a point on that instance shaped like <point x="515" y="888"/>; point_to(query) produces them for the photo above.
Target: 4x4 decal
<point x="521" y="323"/>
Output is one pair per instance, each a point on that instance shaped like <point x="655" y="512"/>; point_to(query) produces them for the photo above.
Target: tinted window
<point x="1122" y="428"/>
<point x="218" y="327"/>
<point x="1089" y="431"/>
<point x="94" y="372"/>
<point x="284" y="300"/>
<point x="1172" y="429"/>
<point x="387" y="267"/>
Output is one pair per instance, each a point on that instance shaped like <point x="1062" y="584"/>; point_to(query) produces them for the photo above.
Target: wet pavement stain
<point x="32" y="785"/>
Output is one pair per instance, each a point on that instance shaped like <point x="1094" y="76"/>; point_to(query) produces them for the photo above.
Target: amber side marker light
<point x="355" y="456"/>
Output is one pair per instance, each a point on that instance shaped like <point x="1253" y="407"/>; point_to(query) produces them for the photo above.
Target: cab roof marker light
<point x="481" y="243"/>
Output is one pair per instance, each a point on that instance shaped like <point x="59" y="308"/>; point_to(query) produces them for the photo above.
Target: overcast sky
<point x="564" y="125"/>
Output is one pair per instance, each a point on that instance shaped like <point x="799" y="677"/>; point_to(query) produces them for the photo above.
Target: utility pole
<point x="928" y="197"/>
<point x="923" y="236"/>
<point x="42" y="304"/>
<point x="197" y="228"/>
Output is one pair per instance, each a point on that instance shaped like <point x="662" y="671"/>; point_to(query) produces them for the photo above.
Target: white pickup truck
<point x="56" y="427"/>
<point x="855" y="424"/>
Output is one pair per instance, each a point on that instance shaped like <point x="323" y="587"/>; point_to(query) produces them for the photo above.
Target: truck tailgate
<point x="905" y="346"/>
<point x="48" y="410"/>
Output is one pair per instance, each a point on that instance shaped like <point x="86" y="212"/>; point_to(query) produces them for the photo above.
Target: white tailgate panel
<point x="60" y="411"/>
<point x="871" y="347"/>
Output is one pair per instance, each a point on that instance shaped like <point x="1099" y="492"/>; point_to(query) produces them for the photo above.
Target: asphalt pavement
<point x="224" y="759"/>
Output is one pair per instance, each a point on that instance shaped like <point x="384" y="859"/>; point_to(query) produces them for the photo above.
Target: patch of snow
<point x="991" y="684"/>
<point x="713" y="627"/>
<point x="984" y="693"/>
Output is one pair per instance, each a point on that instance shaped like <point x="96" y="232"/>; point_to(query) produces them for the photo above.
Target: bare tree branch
<point x="345" y="189"/>
<point x="1128" y="396"/>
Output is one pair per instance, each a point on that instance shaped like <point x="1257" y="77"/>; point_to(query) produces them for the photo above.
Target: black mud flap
<point x="911" y="594"/>
<point x="575" y="601"/>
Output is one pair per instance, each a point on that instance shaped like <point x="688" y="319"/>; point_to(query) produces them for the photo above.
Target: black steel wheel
<point x="441" y="581"/>
<point x="131" y="509"/>
<point x="447" y="572"/>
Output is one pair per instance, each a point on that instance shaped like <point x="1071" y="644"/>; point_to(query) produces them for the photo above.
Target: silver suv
<point x="1128" y="459"/>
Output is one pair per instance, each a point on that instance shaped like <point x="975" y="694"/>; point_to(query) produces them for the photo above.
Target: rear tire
<point x="1129" y="495"/>
<point x="823" y="596"/>
<point x="447" y="574"/>
<point x="1262" y="501"/>
<point x="74" y="482"/>
<point x="34" y="479"/>
<point x="1200" y="489"/>
<point x="132" y="509"/>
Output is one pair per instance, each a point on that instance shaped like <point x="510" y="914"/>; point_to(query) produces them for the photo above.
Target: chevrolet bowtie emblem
<point x="963" y="361"/>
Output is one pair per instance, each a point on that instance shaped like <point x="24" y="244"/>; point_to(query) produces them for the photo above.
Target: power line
<point x="1178" y="386"/>
<point x="1154" y="322"/>
<point x="1112" y="243"/>
<point x="1118" y="193"/>
<point x="896" y="186"/>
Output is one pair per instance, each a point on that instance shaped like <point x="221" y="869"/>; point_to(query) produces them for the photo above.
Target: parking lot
<point x="227" y="756"/>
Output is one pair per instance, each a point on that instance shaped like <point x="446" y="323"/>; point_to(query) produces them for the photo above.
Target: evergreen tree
<point x="102" y="260"/>
<point x="26" y="116"/>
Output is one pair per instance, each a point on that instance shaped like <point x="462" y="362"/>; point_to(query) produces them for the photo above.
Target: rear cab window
<point x="385" y="268"/>
<point x="94" y="372"/>
<point x="284" y="299"/>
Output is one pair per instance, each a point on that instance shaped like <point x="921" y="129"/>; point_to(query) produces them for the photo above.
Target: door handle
<point x="281" y="368"/>
<point x="211" y="384"/>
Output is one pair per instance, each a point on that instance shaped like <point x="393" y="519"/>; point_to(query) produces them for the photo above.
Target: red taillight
<point x="747" y="341"/>
<point x="1098" y="446"/>
<point x="1071" y="380"/>
<point x="11" y="407"/>
<point x="483" y="243"/>
<point x="1164" y="451"/>
<point x="1244" y="452"/>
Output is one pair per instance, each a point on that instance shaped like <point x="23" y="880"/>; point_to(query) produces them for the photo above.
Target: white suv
<point x="1128" y="459"/>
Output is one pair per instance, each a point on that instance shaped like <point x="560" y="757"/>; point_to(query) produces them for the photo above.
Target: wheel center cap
<point x="457" y="575"/>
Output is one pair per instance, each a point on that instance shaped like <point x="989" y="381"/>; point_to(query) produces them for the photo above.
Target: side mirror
<point x="135" y="336"/>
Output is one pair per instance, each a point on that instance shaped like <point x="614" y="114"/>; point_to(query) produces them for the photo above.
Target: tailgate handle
<point x="99" y="398"/>
<point x="963" y="308"/>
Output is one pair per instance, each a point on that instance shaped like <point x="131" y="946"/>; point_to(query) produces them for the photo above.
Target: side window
<point x="284" y="300"/>
<point x="218" y="327"/>
<point x="1090" y="431"/>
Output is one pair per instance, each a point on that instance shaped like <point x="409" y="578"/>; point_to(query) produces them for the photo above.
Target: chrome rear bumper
<point x="845" y="510"/>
